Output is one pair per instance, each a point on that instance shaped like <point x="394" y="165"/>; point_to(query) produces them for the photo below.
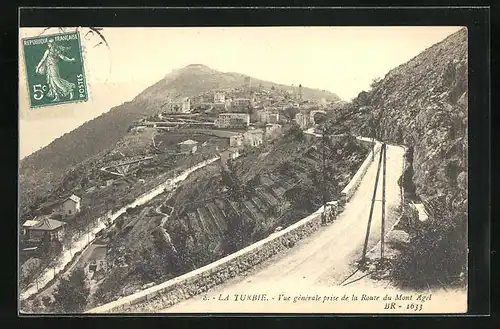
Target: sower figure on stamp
<point x="48" y="66"/>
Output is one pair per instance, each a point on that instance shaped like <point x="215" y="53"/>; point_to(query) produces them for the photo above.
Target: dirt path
<point x="323" y="260"/>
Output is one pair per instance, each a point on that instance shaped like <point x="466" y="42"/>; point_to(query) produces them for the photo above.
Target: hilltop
<point x="195" y="79"/>
<point x="41" y="171"/>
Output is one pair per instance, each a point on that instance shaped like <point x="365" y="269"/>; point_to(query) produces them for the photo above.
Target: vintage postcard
<point x="243" y="170"/>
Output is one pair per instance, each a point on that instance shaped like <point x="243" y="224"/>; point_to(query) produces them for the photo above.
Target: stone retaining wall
<point x="200" y="280"/>
<point x="353" y="184"/>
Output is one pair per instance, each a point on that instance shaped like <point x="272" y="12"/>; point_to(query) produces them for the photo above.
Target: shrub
<point x="47" y="301"/>
<point x="29" y="269"/>
<point x="72" y="292"/>
<point x="446" y="241"/>
<point x="294" y="132"/>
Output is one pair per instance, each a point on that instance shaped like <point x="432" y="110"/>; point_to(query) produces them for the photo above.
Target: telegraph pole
<point x="363" y="258"/>
<point x="382" y="232"/>
<point x="372" y="132"/>
<point x="323" y="137"/>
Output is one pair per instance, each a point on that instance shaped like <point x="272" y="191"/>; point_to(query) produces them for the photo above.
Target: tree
<point x="290" y="113"/>
<point x="362" y="99"/>
<point x="375" y="82"/>
<point x="231" y="180"/>
<point x="28" y="270"/>
<point x="72" y="292"/>
<point x="239" y="231"/>
<point x="47" y="301"/>
<point x="319" y="118"/>
<point x="300" y="197"/>
<point x="295" y="133"/>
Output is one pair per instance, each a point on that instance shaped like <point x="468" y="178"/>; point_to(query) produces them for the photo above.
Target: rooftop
<point x="255" y="131"/>
<point x="30" y="222"/>
<point x="188" y="142"/>
<point x="47" y="224"/>
<point x="74" y="198"/>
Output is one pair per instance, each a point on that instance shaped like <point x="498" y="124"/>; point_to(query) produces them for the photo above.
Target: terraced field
<point x="208" y="221"/>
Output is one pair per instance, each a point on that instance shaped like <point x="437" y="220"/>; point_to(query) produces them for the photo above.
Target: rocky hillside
<point x="423" y="105"/>
<point x="44" y="169"/>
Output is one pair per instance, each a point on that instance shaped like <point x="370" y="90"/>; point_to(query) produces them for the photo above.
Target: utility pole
<point x="323" y="137"/>
<point x="382" y="232"/>
<point x="402" y="182"/>
<point x="373" y="149"/>
<point x="372" y="132"/>
<point x="363" y="258"/>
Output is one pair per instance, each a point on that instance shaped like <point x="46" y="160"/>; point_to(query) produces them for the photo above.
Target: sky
<point x="343" y="60"/>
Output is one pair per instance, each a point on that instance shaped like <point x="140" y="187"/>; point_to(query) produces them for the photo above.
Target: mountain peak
<point x="200" y="66"/>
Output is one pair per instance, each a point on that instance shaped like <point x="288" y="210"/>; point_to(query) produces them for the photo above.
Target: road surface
<point x="318" y="263"/>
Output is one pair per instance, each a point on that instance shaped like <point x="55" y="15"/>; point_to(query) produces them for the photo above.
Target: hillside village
<point x="228" y="123"/>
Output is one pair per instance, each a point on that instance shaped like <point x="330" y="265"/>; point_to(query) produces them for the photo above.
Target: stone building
<point x="219" y="98"/>
<point x="179" y="107"/>
<point x="273" y="130"/>
<point x="302" y="120"/>
<point x="236" y="141"/>
<point x="45" y="227"/>
<point x="71" y="206"/>
<point x="241" y="105"/>
<point x="232" y="120"/>
<point x="253" y="137"/>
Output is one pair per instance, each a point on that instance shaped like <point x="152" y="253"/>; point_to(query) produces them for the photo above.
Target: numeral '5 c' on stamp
<point x="54" y="69"/>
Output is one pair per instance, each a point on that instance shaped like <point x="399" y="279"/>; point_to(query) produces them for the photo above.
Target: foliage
<point x="375" y="82"/>
<point x="232" y="181"/>
<point x="29" y="269"/>
<point x="47" y="301"/>
<point x="237" y="234"/>
<point x="300" y="197"/>
<point x="72" y="292"/>
<point x="319" y="117"/>
<point x="252" y="184"/>
<point x="294" y="132"/>
<point x="446" y="241"/>
<point x="290" y="113"/>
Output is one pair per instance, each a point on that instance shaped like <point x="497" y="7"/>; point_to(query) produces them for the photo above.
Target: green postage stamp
<point x="54" y="69"/>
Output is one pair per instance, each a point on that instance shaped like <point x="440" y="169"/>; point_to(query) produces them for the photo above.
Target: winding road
<point x="322" y="261"/>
